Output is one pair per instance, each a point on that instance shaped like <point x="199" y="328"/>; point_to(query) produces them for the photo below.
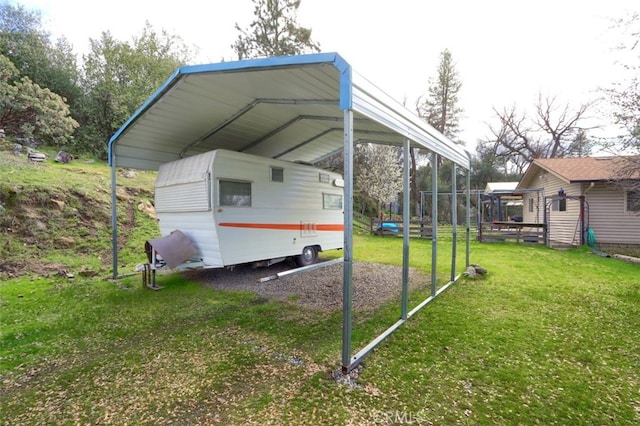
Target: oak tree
<point x="50" y="65"/>
<point x="31" y="113"/>
<point x="553" y="131"/>
<point x="118" y="77"/>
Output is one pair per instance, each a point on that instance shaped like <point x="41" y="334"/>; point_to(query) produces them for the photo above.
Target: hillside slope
<point x="56" y="218"/>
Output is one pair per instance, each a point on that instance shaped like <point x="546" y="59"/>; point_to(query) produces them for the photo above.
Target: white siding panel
<point x="563" y="226"/>
<point x="608" y="218"/>
<point x="245" y="245"/>
<point x="537" y="215"/>
<point x="190" y="197"/>
<point x="200" y="229"/>
<point x="187" y="170"/>
<point x="604" y="212"/>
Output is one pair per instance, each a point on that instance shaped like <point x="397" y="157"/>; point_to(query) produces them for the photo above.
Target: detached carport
<point x="296" y="108"/>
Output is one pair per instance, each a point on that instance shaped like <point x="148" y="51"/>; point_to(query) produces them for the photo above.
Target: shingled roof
<point x="572" y="170"/>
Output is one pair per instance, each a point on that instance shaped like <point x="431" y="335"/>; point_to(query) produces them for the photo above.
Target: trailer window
<point x="332" y="201"/>
<point x="234" y="193"/>
<point x="277" y="174"/>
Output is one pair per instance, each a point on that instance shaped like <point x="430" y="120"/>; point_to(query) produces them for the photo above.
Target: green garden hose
<point x="591" y="238"/>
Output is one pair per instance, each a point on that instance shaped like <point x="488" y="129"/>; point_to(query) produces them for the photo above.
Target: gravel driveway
<point x="319" y="289"/>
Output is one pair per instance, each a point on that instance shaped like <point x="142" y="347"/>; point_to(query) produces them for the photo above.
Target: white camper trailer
<point x="238" y="208"/>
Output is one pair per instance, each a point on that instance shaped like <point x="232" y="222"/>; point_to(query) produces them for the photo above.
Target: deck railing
<point x="512" y="231"/>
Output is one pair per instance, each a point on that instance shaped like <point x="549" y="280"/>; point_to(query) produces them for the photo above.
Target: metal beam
<point x="348" y="362"/>
<point x="406" y="196"/>
<point x="250" y="106"/>
<point x="454" y="219"/>
<point x="311" y="139"/>
<point x="426" y="301"/>
<point x="362" y="353"/>
<point x="286" y="126"/>
<point x="114" y="217"/>
<point x="347" y="279"/>
<point x="468" y="241"/>
<point x="301" y="269"/>
<point x="434" y="223"/>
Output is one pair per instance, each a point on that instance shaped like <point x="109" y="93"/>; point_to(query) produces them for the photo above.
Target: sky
<point x="506" y="52"/>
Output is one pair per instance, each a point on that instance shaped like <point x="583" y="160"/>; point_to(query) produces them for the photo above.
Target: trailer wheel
<point x="309" y="256"/>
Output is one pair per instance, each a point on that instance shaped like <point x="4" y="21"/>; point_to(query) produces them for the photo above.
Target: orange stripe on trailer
<point x="283" y="226"/>
<point x="329" y="227"/>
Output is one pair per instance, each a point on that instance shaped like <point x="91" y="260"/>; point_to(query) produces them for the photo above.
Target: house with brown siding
<point x="575" y="195"/>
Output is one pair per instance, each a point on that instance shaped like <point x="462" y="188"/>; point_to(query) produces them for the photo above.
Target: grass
<point x="547" y="337"/>
<point x="552" y="342"/>
<point x="61" y="214"/>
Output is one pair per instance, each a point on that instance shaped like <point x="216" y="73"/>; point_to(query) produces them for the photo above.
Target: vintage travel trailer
<point x="223" y="208"/>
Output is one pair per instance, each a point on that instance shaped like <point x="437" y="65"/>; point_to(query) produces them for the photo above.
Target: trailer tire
<point x="309" y="256"/>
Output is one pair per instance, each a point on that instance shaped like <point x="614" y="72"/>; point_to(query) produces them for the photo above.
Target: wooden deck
<point x="512" y="231"/>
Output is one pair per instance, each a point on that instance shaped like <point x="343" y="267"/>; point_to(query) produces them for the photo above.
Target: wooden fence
<point x="417" y="228"/>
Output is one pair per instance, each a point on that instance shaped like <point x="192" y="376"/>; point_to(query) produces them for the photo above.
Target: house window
<point x="331" y="201"/>
<point x="633" y="201"/>
<point x="235" y="193"/>
<point x="277" y="174"/>
<point x="530" y="205"/>
<point x="559" y="205"/>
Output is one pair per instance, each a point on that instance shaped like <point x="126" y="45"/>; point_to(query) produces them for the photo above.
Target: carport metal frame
<point x="355" y="95"/>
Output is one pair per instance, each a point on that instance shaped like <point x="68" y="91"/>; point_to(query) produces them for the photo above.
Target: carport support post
<point x="114" y="218"/>
<point x="454" y="220"/>
<point x="468" y="261"/>
<point x="434" y="222"/>
<point x="347" y="280"/>
<point x="405" y="229"/>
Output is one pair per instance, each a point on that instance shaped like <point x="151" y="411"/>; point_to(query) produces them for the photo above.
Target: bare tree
<point x="554" y="131"/>
<point x="561" y="125"/>
<point x="625" y="95"/>
<point x="625" y="101"/>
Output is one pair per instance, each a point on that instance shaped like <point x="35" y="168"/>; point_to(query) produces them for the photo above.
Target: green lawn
<point x="547" y="337"/>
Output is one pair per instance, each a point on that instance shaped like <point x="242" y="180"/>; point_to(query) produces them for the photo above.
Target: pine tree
<point x="274" y="32"/>
<point x="440" y="109"/>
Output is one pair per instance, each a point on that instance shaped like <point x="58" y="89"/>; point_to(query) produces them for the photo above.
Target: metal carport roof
<point x="280" y="107"/>
<point x="296" y="108"/>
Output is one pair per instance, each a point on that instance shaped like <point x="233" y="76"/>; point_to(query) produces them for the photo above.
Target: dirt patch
<point x="17" y="269"/>
<point x="32" y="225"/>
<point x="319" y="289"/>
